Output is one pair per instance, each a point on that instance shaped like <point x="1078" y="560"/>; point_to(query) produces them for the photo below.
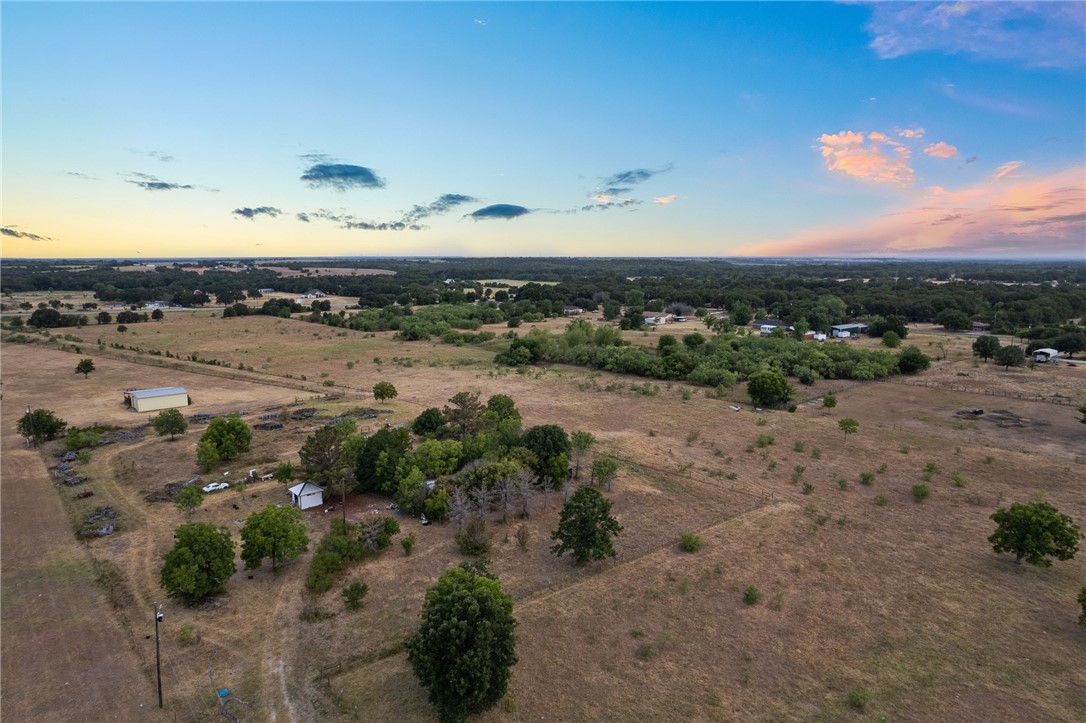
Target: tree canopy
<point x="464" y="650"/>
<point x="986" y="346"/>
<point x="767" y="387"/>
<point x="224" y="439"/>
<point x="1034" y="532"/>
<point x="171" y="422"/>
<point x="585" y="527"/>
<point x="200" y="563"/>
<point x="383" y="391"/>
<point x="1010" y="356"/>
<point x="275" y="532"/>
<point x="84" y="367"/>
<point x="40" y="425"/>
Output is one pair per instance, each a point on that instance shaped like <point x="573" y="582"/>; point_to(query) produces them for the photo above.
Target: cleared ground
<point x="901" y="599"/>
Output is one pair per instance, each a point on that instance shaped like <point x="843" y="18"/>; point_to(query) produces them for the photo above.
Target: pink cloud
<point x="911" y="133"/>
<point x="602" y="198"/>
<point x="853" y="154"/>
<point x="1008" y="169"/>
<point x="941" y="150"/>
<point x="1012" y="217"/>
<point x="664" y="200"/>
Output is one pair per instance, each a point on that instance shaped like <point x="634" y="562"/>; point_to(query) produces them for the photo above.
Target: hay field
<point x="903" y="600"/>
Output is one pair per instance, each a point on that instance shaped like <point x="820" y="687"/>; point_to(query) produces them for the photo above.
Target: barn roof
<point x="160" y="392"/>
<point x="299" y="489"/>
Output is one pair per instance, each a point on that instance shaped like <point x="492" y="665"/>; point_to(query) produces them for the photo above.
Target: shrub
<point x="808" y="488"/>
<point x="858" y="698"/>
<point x="816" y="453"/>
<point x="474" y="539"/>
<point x="187" y="635"/>
<point x="920" y="492"/>
<point x="77" y="438"/>
<point x="691" y="542"/>
<point x="353" y="594"/>
<point x="752" y="595"/>
<point x="323" y="570"/>
<point x="842" y="484"/>
<point x="523" y="534"/>
<point x="799" y="446"/>
<point x="959" y="481"/>
<point x="881" y="500"/>
<point x="764" y="440"/>
<point x="867" y="478"/>
<point x="408" y="543"/>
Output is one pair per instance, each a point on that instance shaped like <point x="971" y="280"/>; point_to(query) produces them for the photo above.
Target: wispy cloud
<point x="913" y="133"/>
<point x="302" y="216"/>
<point x="1040" y="34"/>
<point x="15" y="233"/>
<point x="252" y="213"/>
<point x="443" y="204"/>
<point x="870" y="157"/>
<point x="985" y="102"/>
<point x="504" y="211"/>
<point x="624" y="181"/>
<point x="665" y="200"/>
<point x="339" y="176"/>
<point x="409" y="220"/>
<point x="157" y="155"/>
<point x="997" y="217"/>
<point x="152" y="183"/>
<point x="1008" y="169"/>
<point x="941" y="150"/>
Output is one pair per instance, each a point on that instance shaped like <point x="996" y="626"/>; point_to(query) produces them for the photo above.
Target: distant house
<point x="981" y="326"/>
<point x="843" y="331"/>
<point x="305" y="495"/>
<point x="571" y="310"/>
<point x="152" y="400"/>
<point x="1045" y="355"/>
<point x="652" y="318"/>
<point x="266" y="291"/>
<point x="313" y="294"/>
<point x="157" y="305"/>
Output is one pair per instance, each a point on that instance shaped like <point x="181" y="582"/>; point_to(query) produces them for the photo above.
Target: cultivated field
<point x="861" y="587"/>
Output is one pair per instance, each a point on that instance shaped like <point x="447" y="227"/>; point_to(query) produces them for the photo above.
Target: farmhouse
<point x="305" y="495"/>
<point x="656" y="317"/>
<point x="266" y="290"/>
<point x="570" y="310"/>
<point x="313" y="294"/>
<point x="1045" y="355"/>
<point x="152" y="400"/>
<point x="843" y="331"/>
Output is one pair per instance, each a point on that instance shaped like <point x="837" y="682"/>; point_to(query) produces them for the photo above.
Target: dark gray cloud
<point x="251" y="213"/>
<point x="499" y="210"/>
<point x="303" y="217"/>
<point x="624" y="181"/>
<point x="442" y="205"/>
<point x="151" y="183"/>
<point x="604" y="205"/>
<point x="9" y="231"/>
<point x="341" y="176"/>
<point x="972" y="159"/>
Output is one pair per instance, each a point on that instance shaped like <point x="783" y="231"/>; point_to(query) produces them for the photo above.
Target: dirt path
<point x="64" y="655"/>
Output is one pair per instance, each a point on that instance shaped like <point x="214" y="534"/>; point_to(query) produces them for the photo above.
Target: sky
<point x="179" y="129"/>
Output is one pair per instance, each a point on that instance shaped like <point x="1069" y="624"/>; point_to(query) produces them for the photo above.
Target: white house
<point x="305" y="495"/>
<point x="1045" y="355"/>
<point x="656" y="317"/>
<point x="152" y="400"/>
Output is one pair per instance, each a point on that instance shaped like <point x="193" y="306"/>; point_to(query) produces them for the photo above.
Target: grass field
<point x="867" y="597"/>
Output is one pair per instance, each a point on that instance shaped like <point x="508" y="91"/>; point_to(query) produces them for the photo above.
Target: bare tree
<point x="460" y="507"/>
<point x="526" y="493"/>
<point x="507" y="494"/>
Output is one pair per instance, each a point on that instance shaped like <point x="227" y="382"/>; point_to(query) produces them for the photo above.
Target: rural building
<point x="313" y="294"/>
<point x="570" y="310"/>
<point x="656" y="317"/>
<point x="844" y="331"/>
<point x="305" y="495"/>
<point x="981" y="326"/>
<point x="266" y="290"/>
<point x="152" y="400"/>
<point x="1045" y="355"/>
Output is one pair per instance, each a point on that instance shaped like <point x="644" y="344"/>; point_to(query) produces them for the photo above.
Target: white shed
<point x="1045" y="355"/>
<point x="152" y="400"/>
<point x="305" y="495"/>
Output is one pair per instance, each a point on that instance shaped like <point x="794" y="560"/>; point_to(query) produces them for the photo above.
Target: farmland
<point x="862" y="588"/>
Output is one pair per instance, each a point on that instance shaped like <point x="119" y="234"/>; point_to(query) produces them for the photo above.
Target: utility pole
<point x="158" y="658"/>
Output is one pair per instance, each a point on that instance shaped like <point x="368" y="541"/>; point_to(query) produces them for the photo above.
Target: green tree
<point x="986" y="346"/>
<point x="438" y="457"/>
<point x="548" y="442"/>
<point x="84" y="367"/>
<point x="581" y="442"/>
<point x="104" y="317"/>
<point x="383" y="391"/>
<point x="284" y="472"/>
<point x="157" y="315"/>
<point x="1010" y="356"/>
<point x="171" y="422"/>
<point x="465" y="648"/>
<point x="848" y="426"/>
<point x="379" y="463"/>
<point x="604" y="470"/>
<point x="501" y="409"/>
<point x="1070" y="343"/>
<point x="829" y="400"/>
<point x="275" y="532"/>
<point x="585" y="527"/>
<point x="767" y="387"/>
<point x="427" y="423"/>
<point x="740" y="313"/>
<point x="200" y="563"/>
<point x="1082" y="602"/>
<point x="891" y="340"/>
<point x="207" y="455"/>
<point x="40" y="425"/>
<point x="611" y="310"/>
<point x="189" y="499"/>
<point x="952" y="320"/>
<point x="1034" y="532"/>
<point x="324" y="460"/>
<point x="911" y="360"/>
<point x="464" y="413"/>
<point x="227" y="437"/>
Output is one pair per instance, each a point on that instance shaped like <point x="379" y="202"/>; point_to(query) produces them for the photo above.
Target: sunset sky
<point x="607" y="129"/>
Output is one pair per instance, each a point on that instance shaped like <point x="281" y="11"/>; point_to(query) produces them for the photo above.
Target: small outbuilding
<point x="1045" y="355"/>
<point x="153" y="400"/>
<point x="305" y="495"/>
<point x="844" y="331"/>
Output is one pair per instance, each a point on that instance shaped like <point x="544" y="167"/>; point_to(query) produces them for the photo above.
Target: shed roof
<point x="299" y="489"/>
<point x="1046" y="351"/>
<point x="160" y="392"/>
<point x="848" y="327"/>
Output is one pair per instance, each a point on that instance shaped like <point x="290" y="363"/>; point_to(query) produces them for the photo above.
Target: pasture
<point x="872" y="605"/>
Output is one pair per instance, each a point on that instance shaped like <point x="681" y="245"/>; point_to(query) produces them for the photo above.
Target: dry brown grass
<point x="905" y="600"/>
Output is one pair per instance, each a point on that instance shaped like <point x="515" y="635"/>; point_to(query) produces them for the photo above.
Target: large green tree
<point x="40" y="425"/>
<point x="585" y="527"/>
<point x="383" y="391"/>
<point x="911" y="360"/>
<point x="380" y="461"/>
<point x="275" y="532"/>
<point x="189" y="499"/>
<point x="767" y="387"/>
<point x="986" y="346"/>
<point x="1010" y="356"/>
<point x="228" y="437"/>
<point x="171" y="422"/>
<point x="551" y="446"/>
<point x="465" y="648"/>
<point x="1034" y="532"/>
<point x="84" y="367"/>
<point x="200" y="563"/>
